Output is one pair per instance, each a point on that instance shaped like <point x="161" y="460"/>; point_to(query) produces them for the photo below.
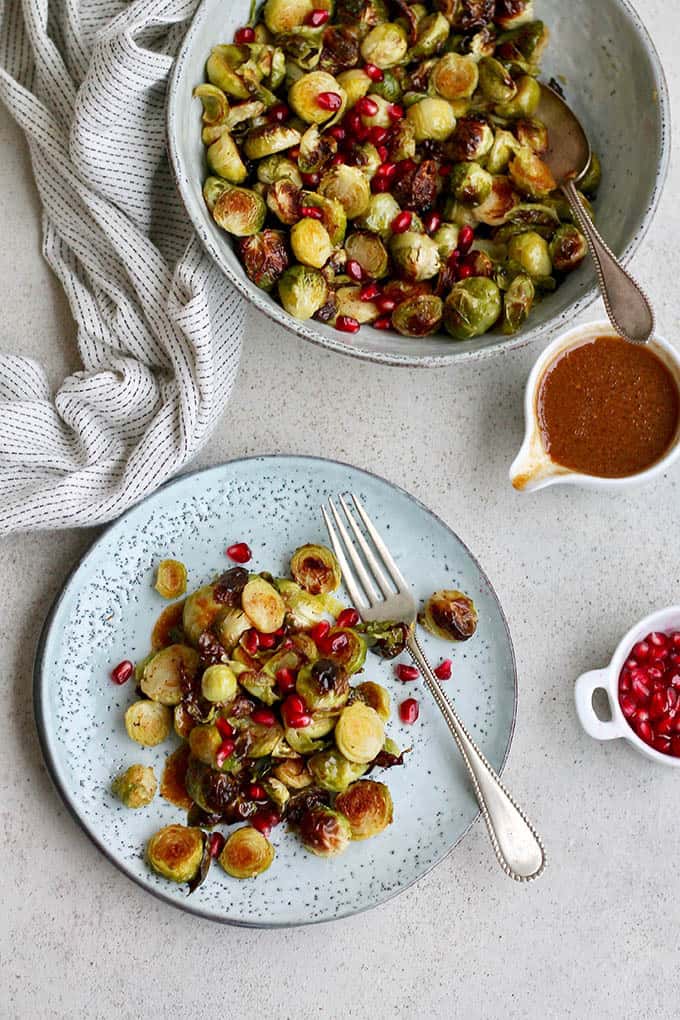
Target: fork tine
<point x="388" y="560"/>
<point x="366" y="583"/>
<point x="383" y="583"/>
<point x="347" y="575"/>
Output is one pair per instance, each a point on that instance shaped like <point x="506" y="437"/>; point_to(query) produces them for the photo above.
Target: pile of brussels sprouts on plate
<point x="254" y="678"/>
<point x="380" y="162"/>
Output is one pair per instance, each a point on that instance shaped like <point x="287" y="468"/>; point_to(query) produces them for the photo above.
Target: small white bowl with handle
<point x="607" y="679"/>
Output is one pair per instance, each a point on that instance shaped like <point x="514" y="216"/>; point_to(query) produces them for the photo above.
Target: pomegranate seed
<point x="675" y="639"/>
<point x="409" y="711"/>
<point x="121" y="673"/>
<point x="338" y="132"/>
<point x="347" y="324"/>
<point x="266" y="640"/>
<point x="244" y="36"/>
<point x="672" y="696"/>
<point x="299" y="722"/>
<point x="395" y="111"/>
<point x="675" y="747"/>
<point x="317" y="18"/>
<point x="641" y="651"/>
<point x="665" y="726"/>
<point x="374" y="73"/>
<point x="657" y="705"/>
<point x="311" y="212"/>
<point x="445" y="169"/>
<point x="311" y="180"/>
<point x="250" y="642"/>
<point x="384" y="322"/>
<point x="385" y="304"/>
<point x="630" y="664"/>
<point x="454" y="258"/>
<point x="263" y="716"/>
<point x="465" y="239"/>
<point x="405" y="167"/>
<point x="628" y="706"/>
<point x="432" y="222"/>
<point x="624" y="681"/>
<point x="645" y="732"/>
<point x="367" y="293"/>
<point x="224" y="751"/>
<point x="329" y="101"/>
<point x="674" y="659"/>
<point x="256" y="792"/>
<point x="655" y="673"/>
<point x="216" y="843"/>
<point x="338" y="159"/>
<point x="661" y="743"/>
<point x="383" y="153"/>
<point x="367" y="107"/>
<point x="260" y="821"/>
<point x="224" y="726"/>
<point x="464" y="272"/>
<point x="279" y="113"/>
<point x="377" y="135"/>
<point x="657" y="639"/>
<point x="320" y="630"/>
<point x="354" y="270"/>
<point x="401" y="223"/>
<point x="639" y="689"/>
<point x="388" y="170"/>
<point x="406" y="673"/>
<point x="337" y="644"/>
<point x="348" y="617"/>
<point x="239" y="552"/>
<point x="285" y="678"/>
<point x="443" y="670"/>
<point x="294" y="705"/>
<point x="380" y="184"/>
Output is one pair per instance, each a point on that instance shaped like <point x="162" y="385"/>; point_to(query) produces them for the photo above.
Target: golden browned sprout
<point x="171" y="579"/>
<point x="367" y="806"/>
<point x="148" y="723"/>
<point x="246" y="853"/>
<point x="359" y="733"/>
<point x="136" y="787"/>
<point x="176" y="852"/>
<point x="316" y="569"/>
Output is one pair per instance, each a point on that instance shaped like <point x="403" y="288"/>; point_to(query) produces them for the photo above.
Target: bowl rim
<point x="301" y="328"/>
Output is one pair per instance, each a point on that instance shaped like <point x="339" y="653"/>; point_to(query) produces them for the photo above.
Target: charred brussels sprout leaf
<point x="454" y="76"/>
<point x="148" y="723"/>
<point x="472" y="139"/>
<point x="323" y="685"/>
<point x="303" y="291"/>
<point x="359" y="733"/>
<point x="246" y="853"/>
<point x="517" y="302"/>
<point x="415" y="256"/>
<point x="136" y="787"/>
<point x="470" y="183"/>
<point x="316" y="569"/>
<point x="175" y="852"/>
<point x="420" y="316"/>
<point x="568" y="248"/>
<point x="171" y="579"/>
<point x="265" y="257"/>
<point x="385" y="639"/>
<point x="324" y="832"/>
<point x="472" y="307"/>
<point x="294" y="774"/>
<point x="368" y="808"/>
<point x="239" y="211"/>
<point x="375" y="696"/>
<point x="450" y="615"/>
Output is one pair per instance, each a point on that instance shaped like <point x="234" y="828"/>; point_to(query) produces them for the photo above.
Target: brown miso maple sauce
<point x="608" y="408"/>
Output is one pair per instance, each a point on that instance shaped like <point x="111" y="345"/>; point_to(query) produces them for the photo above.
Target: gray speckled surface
<point x="596" y="937"/>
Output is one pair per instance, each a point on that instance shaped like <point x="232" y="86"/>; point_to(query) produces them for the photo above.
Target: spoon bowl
<point x="569" y="154"/>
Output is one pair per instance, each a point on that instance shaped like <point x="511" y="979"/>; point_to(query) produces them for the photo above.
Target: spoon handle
<point x="628" y="308"/>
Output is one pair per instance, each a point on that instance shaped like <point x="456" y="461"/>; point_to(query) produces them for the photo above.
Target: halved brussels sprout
<point x="183" y="721"/>
<point x="282" y="17"/>
<point x="222" y="66"/>
<point x="270" y="139"/>
<point x="302" y="291"/>
<point x="363" y="14"/>
<point x="136" y="787"/>
<point x="385" y="45"/>
<point x="496" y="209"/>
<point x="368" y="808"/>
<point x="470" y="183"/>
<point x="167" y="630"/>
<point x="446" y="239"/>
<point x="359" y="733"/>
<point x="386" y="639"/>
<point x="247" y="852"/>
<point x="229" y="629"/>
<point x="205" y="741"/>
<point x="346" y="648"/>
<point x="366" y="158"/>
<point x="256" y="739"/>
<point x="525" y="102"/>
<point x="171" y="579"/>
<point x="278" y="168"/>
<point x="333" y="215"/>
<point x="381" y="211"/>
<point x="375" y="696"/>
<point x="323" y="685"/>
<point x="531" y="252"/>
<point x="415" y="256"/>
<point x="239" y="211"/>
<point x="472" y="139"/>
<point x="332" y="771"/>
<point x="472" y="307"/>
<point x="201" y="610"/>
<point x="303" y="97"/>
<point x="148" y="723"/>
<point x="390" y="88"/>
<point x="321" y="725"/>
<point x="176" y="851"/>
<point x="276" y="791"/>
<point x="348" y="302"/>
<point x="219" y="684"/>
<point x="294" y="774"/>
<point x="517" y="302"/>
<point x="316" y="568"/>
<point x="324" y="832"/>
<point x="455" y="76"/>
<point x="261" y="685"/>
<point x="568" y="248"/>
<point x="512" y="13"/>
<point x="420" y="316"/>
<point x="433" y="31"/>
<point x="505" y="145"/>
<point x="300" y="742"/>
<point x="495" y="81"/>
<point x="355" y="84"/>
<point x="533" y="134"/>
<point x="173" y="780"/>
<point x="310" y="243"/>
<point x="316" y="150"/>
<point x="166" y="671"/>
<point x="369" y="251"/>
<point x="450" y="615"/>
<point x="283" y="199"/>
<point x="264" y="257"/>
<point x="432" y="119"/>
<point x="263" y="605"/>
<point x="401" y="144"/>
<point x="467" y="15"/>
<point x="303" y="609"/>
<point x="348" y="186"/>
<point x="531" y="175"/>
<point x="593" y="176"/>
<point x="224" y="159"/>
<point x="215" y="103"/>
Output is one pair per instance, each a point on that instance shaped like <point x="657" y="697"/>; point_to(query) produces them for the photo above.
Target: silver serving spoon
<point x="568" y="157"/>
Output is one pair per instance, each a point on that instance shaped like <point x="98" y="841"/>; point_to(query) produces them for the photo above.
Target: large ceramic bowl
<point x="603" y="57"/>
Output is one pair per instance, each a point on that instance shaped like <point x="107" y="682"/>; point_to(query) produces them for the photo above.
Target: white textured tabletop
<point x="597" y="935"/>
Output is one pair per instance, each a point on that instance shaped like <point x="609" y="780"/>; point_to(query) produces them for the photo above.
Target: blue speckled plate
<point x="107" y="609"/>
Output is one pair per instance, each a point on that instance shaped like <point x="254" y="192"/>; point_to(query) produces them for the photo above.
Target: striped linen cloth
<point x="159" y="329"/>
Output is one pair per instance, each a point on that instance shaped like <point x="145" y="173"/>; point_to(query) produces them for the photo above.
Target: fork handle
<point x="518" y="848"/>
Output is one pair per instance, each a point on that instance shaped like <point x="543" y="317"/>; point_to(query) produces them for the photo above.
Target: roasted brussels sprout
<point x="263" y="605"/>
<point x="346" y="648"/>
<point x="301" y="742"/>
<point x="467" y="15"/>
<point x="472" y="307"/>
<point x="470" y="183"/>
<point x="455" y="76"/>
<point x="415" y="256"/>
<point x="369" y="251"/>
<point x="359" y="733"/>
<point x="173" y="780"/>
<point x="324" y="832"/>
<point x="302" y="291"/>
<point x="239" y="211"/>
<point x="532" y="134"/>
<point x="381" y="211"/>
<point x="368" y="808"/>
<point x="304" y="97"/>
<point x="323" y="685"/>
<point x="294" y="774"/>
<point x="331" y="771"/>
<point x="282" y="17"/>
<point x="390" y="88"/>
<point x="472" y="139"/>
<point x="257" y="740"/>
<point x="356" y="85"/>
<point x="385" y="45"/>
<point x="217" y="792"/>
<point x="148" y="723"/>
<point x="205" y="741"/>
<point x="446" y="239"/>
<point x="215" y="103"/>
<point x="517" y="302"/>
<point x="495" y="81"/>
<point x="231" y="626"/>
<point x="270" y="139"/>
<point x="432" y="119"/>
<point x="310" y="243"/>
<point x="502" y="199"/>
<point x="375" y="696"/>
<point x="166" y="672"/>
<point x="283" y="199"/>
<point x="175" y="852"/>
<point x="222" y="67"/>
<point x="348" y="302"/>
<point x="450" y="615"/>
<point x="136" y="787"/>
<point x="531" y="175"/>
<point x="504" y="146"/>
<point x="225" y="160"/>
<point x="201" y="610"/>
<point x="171" y="579"/>
<point x="333" y="215"/>
<point x="348" y="186"/>
<point x="246" y="853"/>
<point x="364" y="14"/>
<point x="433" y="31"/>
<point x="303" y="609"/>
<point x="316" y="569"/>
<point x="568" y="248"/>
<point x="278" y="168"/>
<point x="265" y="257"/>
<point x="183" y="721"/>
<point x="218" y="684"/>
<point x="420" y="316"/>
<point x="531" y="252"/>
<point x="590" y="182"/>
<point x="512" y="13"/>
<point x="385" y="639"/>
<point x="525" y="102"/>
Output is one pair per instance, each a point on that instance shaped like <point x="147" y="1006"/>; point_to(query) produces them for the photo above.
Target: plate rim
<point x="70" y="803"/>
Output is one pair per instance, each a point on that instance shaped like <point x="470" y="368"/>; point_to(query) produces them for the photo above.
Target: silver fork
<point x="518" y="848"/>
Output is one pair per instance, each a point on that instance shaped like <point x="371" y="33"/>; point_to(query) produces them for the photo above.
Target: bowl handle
<point x="586" y="686"/>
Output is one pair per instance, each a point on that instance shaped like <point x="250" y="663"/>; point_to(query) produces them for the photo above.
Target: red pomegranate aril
<point x="311" y="180"/>
<point x="388" y="170"/>
<point x="624" y="681"/>
<point x="354" y="270"/>
<point x="311" y="212"/>
<point x="279" y="113"/>
<point x="655" y="673"/>
<point x="444" y="670"/>
<point x="250" y="642"/>
<point x="256" y="792"/>
<point x="661" y="743"/>
<point x="299" y="722"/>
<point x="464" y="272"/>
<point x="374" y="73"/>
<point x="641" y="651"/>
<point x="224" y="727"/>
<point x="384" y="322"/>
<point x="645" y="732"/>
<point x="409" y="711"/>
<point x="320" y="630"/>
<point x="286" y="644"/>
<point x="454" y="258"/>
<point x="243" y="36"/>
<point x="224" y="751"/>
<point x="385" y="304"/>
<point x="642" y="715"/>
<point x="266" y="640"/>
<point x="406" y="673"/>
<point x="295" y="705"/>
<point x="239" y="552"/>
<point x="672" y="696"/>
<point x="367" y="107"/>
<point x="294" y="153"/>
<point x="383" y="152"/>
<point x="285" y="679"/>
<point x="675" y="746"/>
<point x="445" y="169"/>
<point x="639" y="689"/>
<point x="347" y="324"/>
<point x="260" y="821"/>
<point x="263" y="716"/>
<point x="675" y="639"/>
<point x="465" y="239"/>
<point x="329" y="101"/>
<point x="121" y="673"/>
<point x="395" y="111"/>
<point x="317" y="18"/>
<point x="674" y="660"/>
<point x="377" y="135"/>
<point x="336" y="644"/>
<point x="216" y="843"/>
<point x="628" y="706"/>
<point x="432" y="222"/>
<point x="380" y="184"/>
<point x="657" y="705"/>
<point x="367" y="293"/>
<point x="348" y="618"/>
<point x="338" y="132"/>
<point x="631" y="664"/>
<point x="404" y="167"/>
<point x="338" y="159"/>
<point x="665" y="726"/>
<point x="658" y="639"/>
<point x="401" y="223"/>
